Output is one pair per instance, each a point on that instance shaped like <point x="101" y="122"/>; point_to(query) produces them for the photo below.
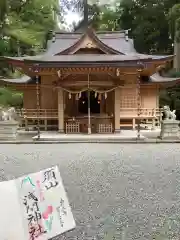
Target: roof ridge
<point x="100" y="32"/>
<point x="92" y="34"/>
<point x="121" y="31"/>
<point x="72" y="33"/>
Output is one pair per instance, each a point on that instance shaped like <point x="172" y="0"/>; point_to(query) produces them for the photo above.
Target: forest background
<point x="27" y="25"/>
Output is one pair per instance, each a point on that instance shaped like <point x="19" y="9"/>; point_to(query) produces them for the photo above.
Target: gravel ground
<point x="113" y="189"/>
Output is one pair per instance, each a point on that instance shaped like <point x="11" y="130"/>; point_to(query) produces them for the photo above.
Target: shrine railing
<point x="99" y="123"/>
<point x="124" y="113"/>
<point x="41" y="113"/>
<point x="142" y="113"/>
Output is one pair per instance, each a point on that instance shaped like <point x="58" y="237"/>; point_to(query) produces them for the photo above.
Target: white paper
<point x="36" y="207"/>
<point x="11" y="222"/>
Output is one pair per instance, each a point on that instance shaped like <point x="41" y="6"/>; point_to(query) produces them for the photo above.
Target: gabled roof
<point x="93" y="37"/>
<point x="90" y="58"/>
<point x="114" y="42"/>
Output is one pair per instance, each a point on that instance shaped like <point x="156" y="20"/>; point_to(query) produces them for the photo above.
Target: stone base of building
<point x="117" y="131"/>
<point x="61" y="131"/>
<point x="92" y="138"/>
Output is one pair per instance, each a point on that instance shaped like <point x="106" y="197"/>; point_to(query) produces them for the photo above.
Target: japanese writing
<point x="61" y="212"/>
<point x="34" y="217"/>
<point x="50" y="180"/>
<point x="35" y="231"/>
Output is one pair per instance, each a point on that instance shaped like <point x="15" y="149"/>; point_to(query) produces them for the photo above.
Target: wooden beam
<point x="77" y="70"/>
<point x="84" y="83"/>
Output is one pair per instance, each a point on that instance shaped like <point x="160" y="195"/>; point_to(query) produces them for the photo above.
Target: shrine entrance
<point x="94" y="103"/>
<point x="89" y="112"/>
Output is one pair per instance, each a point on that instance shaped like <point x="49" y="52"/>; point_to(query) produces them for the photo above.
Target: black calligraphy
<point x="34" y="217"/>
<point x="50" y="180"/>
<point x="61" y="212"/>
<point x="35" y="231"/>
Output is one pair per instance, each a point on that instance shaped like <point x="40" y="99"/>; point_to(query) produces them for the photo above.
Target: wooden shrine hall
<point x="89" y="82"/>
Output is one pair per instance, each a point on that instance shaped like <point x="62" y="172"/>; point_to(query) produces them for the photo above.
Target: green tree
<point x="25" y="26"/>
<point x="106" y="18"/>
<point x="174" y="23"/>
<point x="100" y="16"/>
<point x="148" y="22"/>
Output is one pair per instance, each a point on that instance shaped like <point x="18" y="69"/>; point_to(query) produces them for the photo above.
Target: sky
<point x="71" y="17"/>
<point x="74" y="17"/>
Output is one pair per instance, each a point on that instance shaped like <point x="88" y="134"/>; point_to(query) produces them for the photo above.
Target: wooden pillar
<point x="117" y="110"/>
<point x="133" y="123"/>
<point x="60" y="111"/>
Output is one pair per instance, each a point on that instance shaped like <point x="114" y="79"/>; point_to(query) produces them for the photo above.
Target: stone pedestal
<point x="169" y="129"/>
<point x="8" y="130"/>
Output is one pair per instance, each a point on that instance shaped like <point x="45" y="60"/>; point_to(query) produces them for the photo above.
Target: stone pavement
<point x="114" y="189"/>
<point x="123" y="135"/>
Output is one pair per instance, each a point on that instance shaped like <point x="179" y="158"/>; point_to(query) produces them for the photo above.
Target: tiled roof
<point x="62" y="42"/>
<point x="89" y="58"/>
<point x="114" y="40"/>
<point x="118" y="42"/>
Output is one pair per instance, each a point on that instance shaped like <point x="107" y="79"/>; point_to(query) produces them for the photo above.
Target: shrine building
<point x="89" y="82"/>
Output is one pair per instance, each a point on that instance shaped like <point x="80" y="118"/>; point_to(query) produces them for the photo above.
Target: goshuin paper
<point x="34" y="207"/>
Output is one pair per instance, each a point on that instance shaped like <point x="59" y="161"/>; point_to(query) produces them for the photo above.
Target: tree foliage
<point x="25" y="25"/>
<point x="101" y="15"/>
<point x="10" y="98"/>
<point x="174" y="22"/>
<point x="149" y="24"/>
<point x="24" y="30"/>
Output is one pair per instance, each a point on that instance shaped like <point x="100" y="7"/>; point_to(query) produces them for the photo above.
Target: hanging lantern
<point x="69" y="95"/>
<point x="95" y="94"/>
<point x="105" y="95"/>
<point x="80" y="95"/>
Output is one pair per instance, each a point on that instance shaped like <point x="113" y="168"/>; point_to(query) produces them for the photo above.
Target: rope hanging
<point x="86" y="89"/>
